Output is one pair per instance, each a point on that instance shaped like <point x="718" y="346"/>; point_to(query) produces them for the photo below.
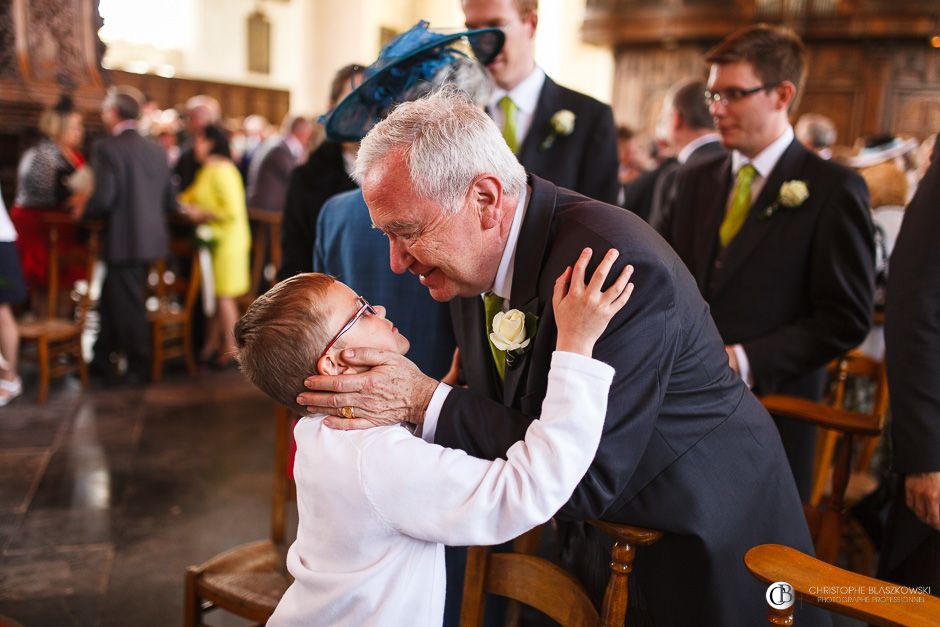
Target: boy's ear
<point x="330" y="365"/>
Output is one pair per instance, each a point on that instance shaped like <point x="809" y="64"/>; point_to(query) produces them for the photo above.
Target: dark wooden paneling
<point x="236" y="100"/>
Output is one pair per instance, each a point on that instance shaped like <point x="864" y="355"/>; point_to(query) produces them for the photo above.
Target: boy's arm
<point x="443" y="495"/>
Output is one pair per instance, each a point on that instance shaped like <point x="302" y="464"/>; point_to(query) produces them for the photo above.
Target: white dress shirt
<point x="525" y="95"/>
<point x="764" y="163"/>
<point x="502" y="286"/>
<point x="376" y="506"/>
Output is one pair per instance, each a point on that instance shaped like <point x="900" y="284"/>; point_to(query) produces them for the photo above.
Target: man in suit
<point x="779" y="241"/>
<point x="911" y="554"/>
<point x="688" y="128"/>
<point x="133" y="194"/>
<point x="268" y="176"/>
<point x="557" y="133"/>
<point x="686" y="448"/>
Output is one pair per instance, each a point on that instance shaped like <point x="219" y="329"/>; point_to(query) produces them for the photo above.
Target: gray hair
<point x="817" y="130"/>
<point x="446" y="142"/>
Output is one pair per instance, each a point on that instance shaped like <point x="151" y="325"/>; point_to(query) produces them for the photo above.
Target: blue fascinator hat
<point x="413" y="57"/>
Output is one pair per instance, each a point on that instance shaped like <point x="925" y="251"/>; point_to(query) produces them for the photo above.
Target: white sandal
<point x="10" y="389"/>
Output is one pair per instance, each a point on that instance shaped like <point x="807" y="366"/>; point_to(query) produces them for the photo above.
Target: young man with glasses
<point x="376" y="506"/>
<point x="779" y="240"/>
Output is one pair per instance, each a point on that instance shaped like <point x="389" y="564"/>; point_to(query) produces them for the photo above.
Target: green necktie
<point x="509" y="108"/>
<point x="493" y="304"/>
<point x="740" y="204"/>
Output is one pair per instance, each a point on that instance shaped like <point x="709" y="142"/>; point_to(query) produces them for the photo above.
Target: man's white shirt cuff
<point x="433" y="413"/>
<point x="744" y="366"/>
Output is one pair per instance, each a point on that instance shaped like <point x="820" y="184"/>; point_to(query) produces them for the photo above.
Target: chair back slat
<point x="531" y="580"/>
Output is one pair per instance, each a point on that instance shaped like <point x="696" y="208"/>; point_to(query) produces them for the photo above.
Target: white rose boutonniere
<point x="513" y="332"/>
<point x="792" y="195"/>
<point x="560" y="125"/>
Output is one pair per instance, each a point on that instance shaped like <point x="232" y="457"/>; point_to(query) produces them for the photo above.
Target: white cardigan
<point x="377" y="506"/>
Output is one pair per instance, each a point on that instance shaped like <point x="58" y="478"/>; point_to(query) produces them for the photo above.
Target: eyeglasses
<point x="364" y="307"/>
<point x="733" y="94"/>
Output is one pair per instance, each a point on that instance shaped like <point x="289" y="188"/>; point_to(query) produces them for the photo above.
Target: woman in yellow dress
<point x="217" y="199"/>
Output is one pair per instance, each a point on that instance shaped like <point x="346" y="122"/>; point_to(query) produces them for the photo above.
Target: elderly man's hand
<point x="393" y="391"/>
<point x="923" y="497"/>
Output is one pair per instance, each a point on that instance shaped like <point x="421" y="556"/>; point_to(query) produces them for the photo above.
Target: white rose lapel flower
<point x="513" y="332"/>
<point x="792" y="195"/>
<point x="560" y="125"/>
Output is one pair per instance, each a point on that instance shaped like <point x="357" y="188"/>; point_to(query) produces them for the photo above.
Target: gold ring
<point x="347" y="412"/>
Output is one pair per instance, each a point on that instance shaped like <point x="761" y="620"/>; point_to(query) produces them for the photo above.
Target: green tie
<point x="740" y="203"/>
<point x="509" y="108"/>
<point x="493" y="304"/>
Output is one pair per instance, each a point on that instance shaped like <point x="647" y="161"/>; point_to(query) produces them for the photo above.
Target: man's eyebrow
<point x="396" y="226"/>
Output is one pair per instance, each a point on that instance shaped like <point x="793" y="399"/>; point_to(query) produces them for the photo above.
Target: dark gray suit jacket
<point x="133" y="193"/>
<point x="686" y="447"/>
<point x="912" y="338"/>
<point x="586" y="160"/>
<point x="269" y="189"/>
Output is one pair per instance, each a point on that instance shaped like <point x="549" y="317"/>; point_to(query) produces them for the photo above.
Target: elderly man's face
<point x="452" y="255"/>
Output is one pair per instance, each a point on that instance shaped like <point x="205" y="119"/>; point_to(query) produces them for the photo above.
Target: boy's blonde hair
<point x="282" y="334"/>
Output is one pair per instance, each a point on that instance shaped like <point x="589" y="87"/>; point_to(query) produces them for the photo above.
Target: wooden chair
<point x="826" y="520"/>
<point x="249" y="579"/>
<point x="548" y="588"/>
<point x="171" y="323"/>
<point x="265" y="250"/>
<point x="855" y="365"/>
<point x="58" y="340"/>
<point x="880" y="603"/>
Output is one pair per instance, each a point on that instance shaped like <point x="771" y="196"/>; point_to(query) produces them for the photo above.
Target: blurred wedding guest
<point x="133" y="195"/>
<point x="778" y="239"/>
<point x="911" y="551"/>
<point x="688" y="129"/>
<point x="632" y="160"/>
<point x="325" y="173"/>
<point x="255" y="130"/>
<point x="201" y="111"/>
<point x="269" y="176"/>
<point x="52" y="177"/>
<point x="217" y="198"/>
<point x="165" y="129"/>
<point x="12" y="292"/>
<point x="900" y="152"/>
<point x="817" y="133"/>
<point x="555" y="132"/>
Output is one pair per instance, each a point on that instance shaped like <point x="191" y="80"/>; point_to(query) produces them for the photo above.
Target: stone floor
<point x="107" y="495"/>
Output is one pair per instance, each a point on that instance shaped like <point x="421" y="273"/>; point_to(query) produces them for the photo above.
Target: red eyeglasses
<point x="364" y="307"/>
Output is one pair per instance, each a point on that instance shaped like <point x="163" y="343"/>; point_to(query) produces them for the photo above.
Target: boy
<point x="376" y="506"/>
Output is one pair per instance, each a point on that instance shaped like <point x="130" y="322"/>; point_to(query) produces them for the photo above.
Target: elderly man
<point x="686" y="448"/>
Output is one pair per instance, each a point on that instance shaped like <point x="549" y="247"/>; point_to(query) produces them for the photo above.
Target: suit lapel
<point x="530" y="154"/>
<point x="526" y="271"/>
<point x="708" y="219"/>
<point x="756" y="227"/>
